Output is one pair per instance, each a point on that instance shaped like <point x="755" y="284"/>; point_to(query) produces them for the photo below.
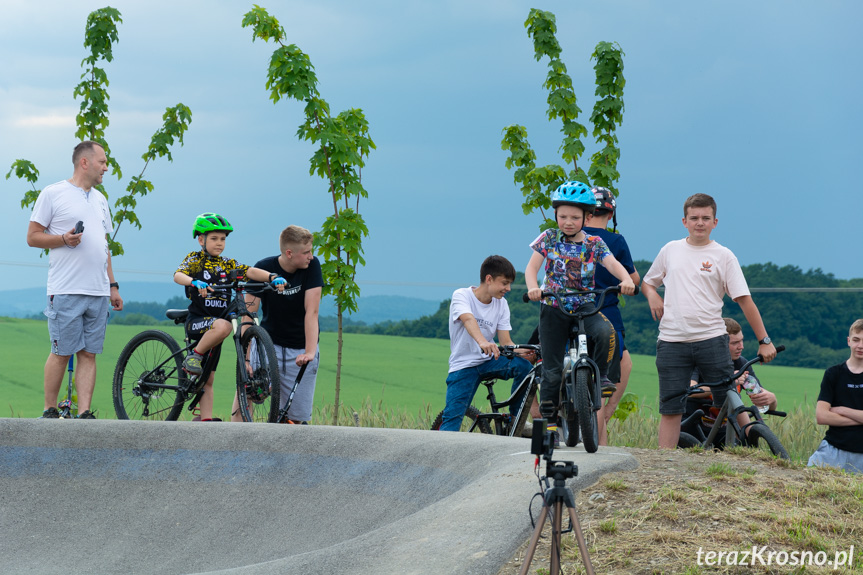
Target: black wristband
<point x="115" y="284"/>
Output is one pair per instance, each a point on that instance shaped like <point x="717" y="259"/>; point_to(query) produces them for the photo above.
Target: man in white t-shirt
<point x="81" y="286"/>
<point x="696" y="272"/>
<point x="476" y="315"/>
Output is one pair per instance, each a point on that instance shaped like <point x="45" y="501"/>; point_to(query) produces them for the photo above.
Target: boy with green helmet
<point x="207" y="309"/>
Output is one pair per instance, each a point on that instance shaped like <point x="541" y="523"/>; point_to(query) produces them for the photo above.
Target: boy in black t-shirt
<point x="840" y="407"/>
<point x="291" y="317"/>
<point x="207" y="309"/>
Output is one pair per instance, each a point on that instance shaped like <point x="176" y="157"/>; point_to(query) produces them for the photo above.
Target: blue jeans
<point x="461" y="386"/>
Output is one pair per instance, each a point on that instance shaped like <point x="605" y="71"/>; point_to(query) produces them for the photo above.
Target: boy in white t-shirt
<point x="696" y="272"/>
<point x="476" y="314"/>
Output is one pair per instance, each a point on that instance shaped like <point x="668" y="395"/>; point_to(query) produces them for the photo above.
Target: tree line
<point x="813" y="325"/>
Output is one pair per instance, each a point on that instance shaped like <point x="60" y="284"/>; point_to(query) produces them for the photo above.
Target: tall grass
<point x="798" y="432"/>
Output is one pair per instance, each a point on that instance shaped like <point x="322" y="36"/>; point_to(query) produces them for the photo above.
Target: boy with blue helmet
<point x="570" y="257"/>
<point x="207" y="309"/>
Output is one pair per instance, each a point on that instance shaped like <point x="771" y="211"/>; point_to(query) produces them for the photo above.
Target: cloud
<point x="45" y="120"/>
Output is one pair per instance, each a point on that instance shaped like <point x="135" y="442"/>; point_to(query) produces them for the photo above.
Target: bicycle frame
<point x="194" y="386"/>
<point x="67" y="406"/>
<point x="731" y="408"/>
<point x="504" y="423"/>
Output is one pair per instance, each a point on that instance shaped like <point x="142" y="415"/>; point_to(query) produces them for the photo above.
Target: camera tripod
<point x="555" y="499"/>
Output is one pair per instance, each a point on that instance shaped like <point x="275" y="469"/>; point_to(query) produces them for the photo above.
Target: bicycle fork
<point x="581" y="359"/>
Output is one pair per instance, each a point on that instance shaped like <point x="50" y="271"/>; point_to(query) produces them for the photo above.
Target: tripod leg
<point x="579" y="537"/>
<point x="556" y="524"/>
<point x="531" y="549"/>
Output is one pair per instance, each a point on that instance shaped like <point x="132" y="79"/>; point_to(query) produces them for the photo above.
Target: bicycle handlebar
<point x="509" y="350"/>
<point x="239" y="286"/>
<point x="742" y="370"/>
<point x="598" y="304"/>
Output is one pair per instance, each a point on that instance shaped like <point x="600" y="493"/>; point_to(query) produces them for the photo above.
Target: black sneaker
<point x="50" y="413"/>
<point x="192" y="364"/>
<point x="86" y="415"/>
<point x="608" y="388"/>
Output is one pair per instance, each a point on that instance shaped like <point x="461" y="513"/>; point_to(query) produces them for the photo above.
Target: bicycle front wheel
<point x="520" y="419"/>
<point x="148" y="378"/>
<point x="686" y="440"/>
<point x="258" y="393"/>
<point x="761" y="437"/>
<point x="584" y="403"/>
<point x="568" y="417"/>
<point x="470" y="417"/>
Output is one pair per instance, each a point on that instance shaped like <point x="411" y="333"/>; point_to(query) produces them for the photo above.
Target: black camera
<point x="542" y="440"/>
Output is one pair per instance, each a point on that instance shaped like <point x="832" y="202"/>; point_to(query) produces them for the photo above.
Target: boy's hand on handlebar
<point x="201" y="286"/>
<point x="627" y="287"/>
<point x="490" y="348"/>
<point x="767" y="352"/>
<point x="534" y="294"/>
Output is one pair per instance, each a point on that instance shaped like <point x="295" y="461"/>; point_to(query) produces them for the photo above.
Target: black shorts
<point x="196" y="327"/>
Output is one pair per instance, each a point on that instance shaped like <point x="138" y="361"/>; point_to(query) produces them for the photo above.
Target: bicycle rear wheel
<point x="148" y="378"/>
<point x="470" y="416"/>
<point x="586" y="414"/>
<point x="761" y="437"/>
<point x="258" y="396"/>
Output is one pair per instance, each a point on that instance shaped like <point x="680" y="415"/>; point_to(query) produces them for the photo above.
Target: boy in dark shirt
<point x="840" y="407"/>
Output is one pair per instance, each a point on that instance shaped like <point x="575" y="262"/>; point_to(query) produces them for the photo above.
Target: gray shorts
<point x="77" y="322"/>
<point x="675" y="362"/>
<point x="828" y="456"/>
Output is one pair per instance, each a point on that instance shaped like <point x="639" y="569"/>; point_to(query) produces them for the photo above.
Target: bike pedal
<point x="606" y="393"/>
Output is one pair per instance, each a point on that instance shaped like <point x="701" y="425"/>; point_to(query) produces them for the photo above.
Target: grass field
<point x="399" y="374"/>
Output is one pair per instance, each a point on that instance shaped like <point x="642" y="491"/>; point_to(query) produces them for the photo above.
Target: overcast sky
<point x="756" y="103"/>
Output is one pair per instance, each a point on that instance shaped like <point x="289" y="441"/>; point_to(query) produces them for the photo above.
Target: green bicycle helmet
<point x="210" y="222"/>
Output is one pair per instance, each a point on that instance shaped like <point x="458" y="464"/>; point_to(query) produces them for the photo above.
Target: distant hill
<point x="812" y="324"/>
<point x="149" y="298"/>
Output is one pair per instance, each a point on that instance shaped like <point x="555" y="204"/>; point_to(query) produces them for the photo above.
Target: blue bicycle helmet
<point x="573" y="193"/>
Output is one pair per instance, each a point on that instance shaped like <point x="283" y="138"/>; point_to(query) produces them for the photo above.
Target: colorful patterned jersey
<point x="569" y="266"/>
<point x="214" y="271"/>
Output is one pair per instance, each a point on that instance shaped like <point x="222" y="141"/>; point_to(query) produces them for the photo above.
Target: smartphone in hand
<point x="79" y="227"/>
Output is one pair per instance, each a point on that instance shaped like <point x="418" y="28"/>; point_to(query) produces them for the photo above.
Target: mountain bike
<point x="754" y="434"/>
<point x="495" y="422"/>
<point x="150" y="383"/>
<point x="580" y="387"/>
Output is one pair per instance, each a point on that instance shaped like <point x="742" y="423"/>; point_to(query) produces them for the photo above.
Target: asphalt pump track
<point x="130" y="497"/>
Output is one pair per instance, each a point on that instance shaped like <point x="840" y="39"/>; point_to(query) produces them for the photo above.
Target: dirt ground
<point x="657" y="518"/>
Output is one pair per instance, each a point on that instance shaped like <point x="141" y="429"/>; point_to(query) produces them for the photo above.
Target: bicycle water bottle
<point x="752" y="387"/>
